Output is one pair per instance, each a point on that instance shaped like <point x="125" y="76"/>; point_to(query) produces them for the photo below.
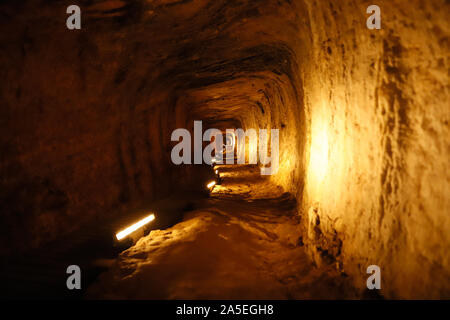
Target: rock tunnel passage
<point x="242" y="243"/>
<point x="86" y="118"/>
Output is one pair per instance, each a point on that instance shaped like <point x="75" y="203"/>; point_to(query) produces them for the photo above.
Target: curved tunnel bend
<point x="87" y="119"/>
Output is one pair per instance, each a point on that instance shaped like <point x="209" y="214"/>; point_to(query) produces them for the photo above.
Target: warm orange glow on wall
<point x="318" y="160"/>
<point x="122" y="234"/>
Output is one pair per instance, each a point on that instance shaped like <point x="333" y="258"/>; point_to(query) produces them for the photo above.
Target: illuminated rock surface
<point x="229" y="249"/>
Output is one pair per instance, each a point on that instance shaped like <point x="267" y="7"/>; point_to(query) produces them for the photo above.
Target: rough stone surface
<point x="377" y="105"/>
<point x="234" y="245"/>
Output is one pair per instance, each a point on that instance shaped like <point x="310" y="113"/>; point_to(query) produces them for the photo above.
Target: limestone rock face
<point x="86" y="118"/>
<point x="377" y="106"/>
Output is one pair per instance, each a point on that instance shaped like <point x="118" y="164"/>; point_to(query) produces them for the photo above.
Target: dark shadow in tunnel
<point x="237" y="168"/>
<point x="242" y="179"/>
<point x="41" y="273"/>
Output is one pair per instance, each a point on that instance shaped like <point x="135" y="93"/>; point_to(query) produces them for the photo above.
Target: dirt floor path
<point x="241" y="243"/>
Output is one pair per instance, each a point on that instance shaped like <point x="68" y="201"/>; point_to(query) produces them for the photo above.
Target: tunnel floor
<point x="241" y="243"/>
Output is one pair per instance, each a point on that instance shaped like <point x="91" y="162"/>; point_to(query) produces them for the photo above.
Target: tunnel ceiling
<point x="109" y="95"/>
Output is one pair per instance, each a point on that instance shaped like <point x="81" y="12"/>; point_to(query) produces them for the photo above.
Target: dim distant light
<point x="122" y="234"/>
<point x="211" y="184"/>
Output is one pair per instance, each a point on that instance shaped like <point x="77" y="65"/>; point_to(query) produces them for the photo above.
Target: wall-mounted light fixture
<point x="122" y="234"/>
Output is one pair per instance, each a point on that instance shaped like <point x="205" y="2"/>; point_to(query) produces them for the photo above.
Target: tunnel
<point x="361" y="121"/>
